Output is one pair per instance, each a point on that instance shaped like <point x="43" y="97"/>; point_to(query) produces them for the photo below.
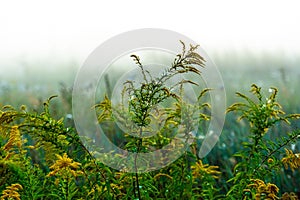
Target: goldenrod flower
<point x="291" y="159"/>
<point x="11" y="192"/>
<point x="201" y="168"/>
<point x="262" y="190"/>
<point x="14" y="139"/>
<point x="63" y="165"/>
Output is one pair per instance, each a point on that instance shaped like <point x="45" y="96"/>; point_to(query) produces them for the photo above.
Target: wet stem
<point x="137" y="185"/>
<point x="257" y="140"/>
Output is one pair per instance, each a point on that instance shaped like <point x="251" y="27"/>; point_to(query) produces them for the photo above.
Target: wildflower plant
<point x="258" y="158"/>
<point x="42" y="157"/>
<point x="141" y="101"/>
<point x="65" y="170"/>
<point x="141" y="105"/>
<point x="29" y="141"/>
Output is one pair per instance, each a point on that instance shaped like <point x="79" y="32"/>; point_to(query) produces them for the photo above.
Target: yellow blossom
<point x="291" y="159"/>
<point x="14" y="139"/>
<point x="199" y="169"/>
<point x="65" y="165"/>
<point x="11" y="192"/>
<point x="262" y="190"/>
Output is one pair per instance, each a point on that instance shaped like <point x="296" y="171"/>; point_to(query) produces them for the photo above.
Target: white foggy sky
<point x="33" y="30"/>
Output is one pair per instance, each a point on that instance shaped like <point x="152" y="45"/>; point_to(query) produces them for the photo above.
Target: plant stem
<point x="275" y="150"/>
<point x="138" y="185"/>
<point x="135" y="164"/>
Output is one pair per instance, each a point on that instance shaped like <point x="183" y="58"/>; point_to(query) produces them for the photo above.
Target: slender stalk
<point x="135" y="165"/>
<point x="277" y="149"/>
<point x="138" y="185"/>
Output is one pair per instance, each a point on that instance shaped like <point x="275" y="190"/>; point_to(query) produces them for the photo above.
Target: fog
<point x="47" y="42"/>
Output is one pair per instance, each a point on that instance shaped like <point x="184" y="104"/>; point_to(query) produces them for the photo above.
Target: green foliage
<point x="257" y="160"/>
<point x="42" y="157"/>
<point x="140" y="106"/>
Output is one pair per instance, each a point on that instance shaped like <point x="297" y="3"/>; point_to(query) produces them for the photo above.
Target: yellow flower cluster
<point x="14" y="139"/>
<point x="65" y="166"/>
<point x="201" y="168"/>
<point x="11" y="192"/>
<point x="291" y="159"/>
<point x="262" y="190"/>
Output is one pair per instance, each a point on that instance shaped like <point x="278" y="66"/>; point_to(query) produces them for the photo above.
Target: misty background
<point x="44" y="44"/>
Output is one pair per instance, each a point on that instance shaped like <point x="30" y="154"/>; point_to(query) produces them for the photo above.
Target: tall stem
<point x="135" y="164"/>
